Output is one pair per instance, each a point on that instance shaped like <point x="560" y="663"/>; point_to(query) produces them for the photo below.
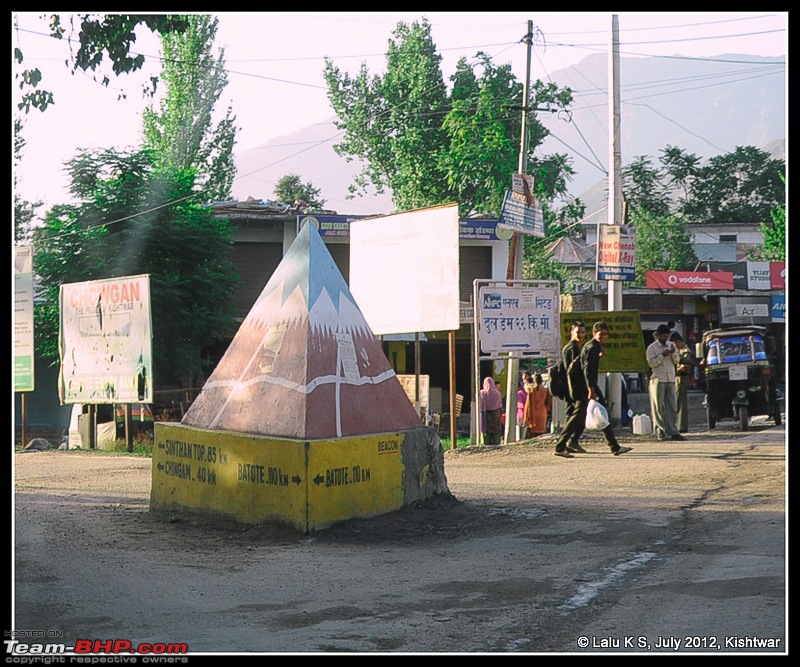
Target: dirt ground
<point x="529" y="554"/>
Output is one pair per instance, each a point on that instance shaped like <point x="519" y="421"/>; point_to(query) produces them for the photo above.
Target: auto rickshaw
<point x="740" y="374"/>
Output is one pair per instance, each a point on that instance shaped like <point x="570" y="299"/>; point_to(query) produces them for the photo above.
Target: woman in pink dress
<point x="492" y="407"/>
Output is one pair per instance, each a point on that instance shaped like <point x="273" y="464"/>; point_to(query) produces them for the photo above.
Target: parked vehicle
<point x="740" y="372"/>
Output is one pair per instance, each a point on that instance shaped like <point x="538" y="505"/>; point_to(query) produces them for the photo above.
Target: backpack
<point x="559" y="385"/>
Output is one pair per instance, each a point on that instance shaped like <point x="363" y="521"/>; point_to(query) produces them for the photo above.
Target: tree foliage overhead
<point x="663" y="243"/>
<point x="774" y="248"/>
<point x="290" y="188"/>
<point x="742" y="186"/>
<point x="99" y="37"/>
<point x="432" y="147"/>
<point x="745" y="185"/>
<point x="182" y="133"/>
<point x="131" y="220"/>
<point x="24" y="210"/>
<point x="393" y="123"/>
<point x="643" y="184"/>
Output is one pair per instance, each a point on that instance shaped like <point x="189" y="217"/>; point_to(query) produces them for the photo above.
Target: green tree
<point x="290" y="188"/>
<point x="24" y="210"/>
<point x="663" y="243"/>
<point x="432" y="147"/>
<point x="644" y="189"/>
<point x="393" y="123"/>
<point x="774" y="248"/>
<point x="481" y="153"/>
<point x="133" y="220"/>
<point x="742" y="186"/>
<point x="182" y="134"/>
<point x="680" y="168"/>
<point x="98" y="37"/>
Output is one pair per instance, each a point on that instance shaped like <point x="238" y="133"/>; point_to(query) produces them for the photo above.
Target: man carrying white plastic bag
<point x="584" y="388"/>
<point x="596" y="416"/>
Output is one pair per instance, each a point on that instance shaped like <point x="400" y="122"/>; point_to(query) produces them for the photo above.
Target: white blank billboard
<point x="404" y="270"/>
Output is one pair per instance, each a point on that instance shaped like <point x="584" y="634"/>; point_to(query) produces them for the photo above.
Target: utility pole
<point x="514" y="271"/>
<point x="614" y="195"/>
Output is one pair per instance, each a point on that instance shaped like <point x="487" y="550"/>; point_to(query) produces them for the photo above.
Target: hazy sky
<point x="275" y="62"/>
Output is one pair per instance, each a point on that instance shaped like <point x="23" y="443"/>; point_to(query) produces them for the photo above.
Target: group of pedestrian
<point x="671" y="363"/>
<point x="583" y="365"/>
<point x="534" y="408"/>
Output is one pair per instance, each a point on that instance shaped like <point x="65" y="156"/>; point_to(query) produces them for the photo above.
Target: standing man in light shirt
<point x="663" y="358"/>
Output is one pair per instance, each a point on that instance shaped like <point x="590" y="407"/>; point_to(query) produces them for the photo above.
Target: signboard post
<point x="422" y="246"/>
<point x="616" y="253"/>
<point x="521" y="216"/>
<point x="514" y="319"/>
<point x="105" y="341"/>
<point x="23" y="330"/>
<point x="23" y="319"/>
<point x="624" y="352"/>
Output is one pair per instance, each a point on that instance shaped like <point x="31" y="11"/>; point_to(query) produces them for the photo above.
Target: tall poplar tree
<point x="431" y="146"/>
<point x="182" y="134"/>
<point x="393" y="123"/>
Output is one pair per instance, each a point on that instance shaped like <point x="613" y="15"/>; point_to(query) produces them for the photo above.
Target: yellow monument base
<point x="307" y="484"/>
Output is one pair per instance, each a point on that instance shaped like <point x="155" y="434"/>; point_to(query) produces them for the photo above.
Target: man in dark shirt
<point x="575" y="423"/>
<point x="583" y="388"/>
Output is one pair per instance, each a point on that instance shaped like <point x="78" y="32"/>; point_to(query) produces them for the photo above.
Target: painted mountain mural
<point x="304" y="363"/>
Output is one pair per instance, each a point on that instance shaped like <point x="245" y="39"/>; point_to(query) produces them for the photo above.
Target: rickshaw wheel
<point x="744" y="421"/>
<point x="712" y="422"/>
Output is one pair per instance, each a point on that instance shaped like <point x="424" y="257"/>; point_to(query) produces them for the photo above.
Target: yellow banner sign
<point x="624" y="350"/>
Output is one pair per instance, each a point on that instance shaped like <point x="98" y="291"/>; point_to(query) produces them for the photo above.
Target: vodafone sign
<point x="716" y="280"/>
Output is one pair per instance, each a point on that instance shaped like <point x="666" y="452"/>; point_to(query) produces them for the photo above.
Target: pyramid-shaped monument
<point x="304" y="364"/>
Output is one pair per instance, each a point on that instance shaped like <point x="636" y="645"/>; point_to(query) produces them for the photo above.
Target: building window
<point x="727" y="238"/>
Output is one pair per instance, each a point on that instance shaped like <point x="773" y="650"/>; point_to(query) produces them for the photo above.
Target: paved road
<point x="672" y="543"/>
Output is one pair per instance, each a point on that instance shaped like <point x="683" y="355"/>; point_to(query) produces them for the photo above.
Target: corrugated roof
<point x="572" y="251"/>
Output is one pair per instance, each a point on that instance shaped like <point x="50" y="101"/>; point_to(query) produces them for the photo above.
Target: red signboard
<point x="777" y="275"/>
<point x="713" y="280"/>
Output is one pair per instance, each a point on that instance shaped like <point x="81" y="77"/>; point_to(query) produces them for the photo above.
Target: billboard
<point x="23" y="319"/>
<point x="404" y="270"/>
<point x="105" y="341"/>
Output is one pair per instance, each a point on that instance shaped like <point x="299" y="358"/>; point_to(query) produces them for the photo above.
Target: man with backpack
<point x="575" y="424"/>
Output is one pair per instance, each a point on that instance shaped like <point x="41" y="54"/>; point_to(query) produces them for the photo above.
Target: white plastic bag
<point x="596" y="416"/>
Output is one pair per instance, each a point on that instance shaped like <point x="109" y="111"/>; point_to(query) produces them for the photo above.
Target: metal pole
<point x="475" y="419"/>
<point x="514" y="270"/>
<point x="92" y="426"/>
<point x="24" y="417"/>
<point x="129" y="426"/>
<point x="614" y="196"/>
<point x="451" y="340"/>
<point x="417" y="366"/>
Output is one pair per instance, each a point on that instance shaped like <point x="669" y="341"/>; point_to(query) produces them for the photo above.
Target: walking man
<point x="663" y="358"/>
<point x="584" y="386"/>
<point x="574" y="425"/>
